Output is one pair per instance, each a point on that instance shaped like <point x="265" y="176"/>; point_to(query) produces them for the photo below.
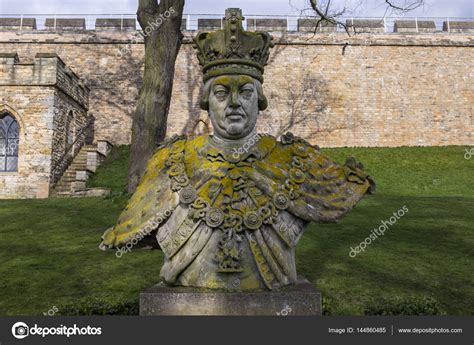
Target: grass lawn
<point x="49" y="252"/>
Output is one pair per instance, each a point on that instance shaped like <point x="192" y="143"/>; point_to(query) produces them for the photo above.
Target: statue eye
<point x="220" y="93"/>
<point x="246" y="92"/>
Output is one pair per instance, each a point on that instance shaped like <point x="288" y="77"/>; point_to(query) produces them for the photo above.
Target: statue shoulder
<point x="164" y="150"/>
<point x="172" y="141"/>
<point x="310" y="184"/>
<point x="290" y="139"/>
<point x="289" y="146"/>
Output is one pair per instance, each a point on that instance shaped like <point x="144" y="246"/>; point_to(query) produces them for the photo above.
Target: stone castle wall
<point x="34" y="150"/>
<point x="39" y="94"/>
<point x="64" y="126"/>
<point x="334" y="90"/>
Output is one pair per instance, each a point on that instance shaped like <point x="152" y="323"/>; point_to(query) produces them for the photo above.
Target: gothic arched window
<point x="9" y="140"/>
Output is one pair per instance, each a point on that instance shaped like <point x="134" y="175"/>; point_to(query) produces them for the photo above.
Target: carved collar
<point x="255" y="148"/>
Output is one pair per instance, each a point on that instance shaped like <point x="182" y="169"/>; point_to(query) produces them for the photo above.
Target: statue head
<point x="233" y="62"/>
<point x="233" y="103"/>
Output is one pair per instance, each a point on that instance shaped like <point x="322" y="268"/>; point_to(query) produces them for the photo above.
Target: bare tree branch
<point x="407" y="7"/>
<point x="325" y="12"/>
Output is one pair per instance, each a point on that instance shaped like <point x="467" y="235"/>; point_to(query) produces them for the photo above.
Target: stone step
<point x="74" y="165"/>
<point x="63" y="194"/>
<point x="62" y="190"/>
<point x="79" y="163"/>
<point x="77" y="166"/>
<point x="80" y="160"/>
<point x="66" y="181"/>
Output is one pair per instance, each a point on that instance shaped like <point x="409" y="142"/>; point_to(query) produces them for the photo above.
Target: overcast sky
<point x="369" y="8"/>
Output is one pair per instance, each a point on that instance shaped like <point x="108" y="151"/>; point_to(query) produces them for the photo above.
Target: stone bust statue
<point x="227" y="221"/>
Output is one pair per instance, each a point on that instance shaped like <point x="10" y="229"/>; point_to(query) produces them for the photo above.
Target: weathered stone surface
<point x="299" y="299"/>
<point x="458" y="26"/>
<point x="17" y="23"/>
<point x="209" y="23"/>
<point x="65" y="24"/>
<point x="232" y="222"/>
<point x="81" y="167"/>
<point x="83" y="175"/>
<point x="414" y="26"/>
<point x="309" y="24"/>
<point x="115" y="24"/>
<point x="40" y="95"/>
<point x="366" y="25"/>
<point x="94" y="159"/>
<point x="266" y="24"/>
<point x="97" y="192"/>
<point x="104" y="147"/>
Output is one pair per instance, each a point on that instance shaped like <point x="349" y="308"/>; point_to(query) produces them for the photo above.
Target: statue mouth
<point x="235" y="116"/>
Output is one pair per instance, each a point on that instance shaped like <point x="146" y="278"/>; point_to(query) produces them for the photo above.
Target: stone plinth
<point x="299" y="299"/>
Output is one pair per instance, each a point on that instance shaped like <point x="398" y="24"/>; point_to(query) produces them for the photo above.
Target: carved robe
<point x="232" y="221"/>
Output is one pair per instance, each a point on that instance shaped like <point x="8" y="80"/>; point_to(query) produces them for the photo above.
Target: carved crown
<point x="232" y="50"/>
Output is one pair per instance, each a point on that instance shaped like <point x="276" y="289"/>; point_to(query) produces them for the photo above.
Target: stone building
<point x="43" y="123"/>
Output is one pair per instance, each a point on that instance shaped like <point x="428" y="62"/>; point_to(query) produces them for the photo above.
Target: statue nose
<point x="234" y="100"/>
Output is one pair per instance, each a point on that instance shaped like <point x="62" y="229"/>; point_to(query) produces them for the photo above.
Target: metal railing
<point x="68" y="156"/>
<point x="192" y="22"/>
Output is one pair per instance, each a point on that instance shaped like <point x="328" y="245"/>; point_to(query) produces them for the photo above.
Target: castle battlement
<point x="47" y="69"/>
<point x="127" y="23"/>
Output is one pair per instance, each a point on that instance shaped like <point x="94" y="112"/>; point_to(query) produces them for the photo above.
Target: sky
<point x="356" y="8"/>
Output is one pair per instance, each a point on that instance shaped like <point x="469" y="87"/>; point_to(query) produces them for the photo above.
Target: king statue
<point x="232" y="221"/>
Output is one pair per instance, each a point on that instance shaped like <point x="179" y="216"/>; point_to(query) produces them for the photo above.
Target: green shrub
<point x="412" y="305"/>
<point x="326" y="306"/>
<point x="99" y="307"/>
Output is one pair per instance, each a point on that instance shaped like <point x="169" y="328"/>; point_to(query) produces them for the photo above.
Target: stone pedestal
<point x="299" y="299"/>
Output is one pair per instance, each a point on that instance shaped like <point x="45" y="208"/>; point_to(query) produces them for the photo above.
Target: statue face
<point x="233" y="106"/>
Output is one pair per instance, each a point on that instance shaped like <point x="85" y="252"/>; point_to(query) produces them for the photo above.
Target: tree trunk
<point x="161" y="25"/>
